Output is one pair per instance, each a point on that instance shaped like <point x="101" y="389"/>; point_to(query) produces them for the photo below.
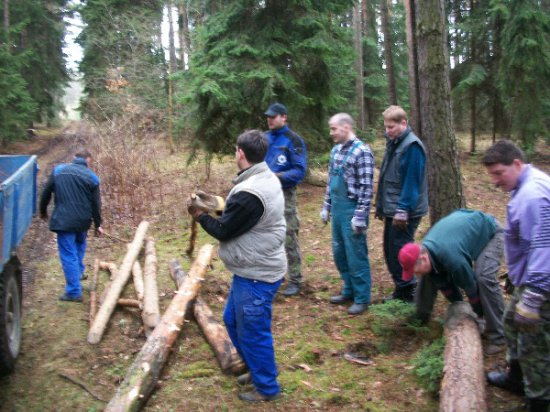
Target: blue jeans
<point x="247" y="317"/>
<point x="72" y="247"/>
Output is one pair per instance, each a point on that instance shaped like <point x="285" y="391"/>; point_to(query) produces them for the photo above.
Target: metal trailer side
<point x="18" y="194"/>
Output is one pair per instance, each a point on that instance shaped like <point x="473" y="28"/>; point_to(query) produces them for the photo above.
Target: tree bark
<point x="388" y="54"/>
<point x="414" y="93"/>
<point x="106" y="310"/>
<point x="473" y="95"/>
<point x="444" y="177"/>
<point x="151" y="310"/>
<point x="137" y="275"/>
<point x="185" y="41"/>
<point x="111" y="267"/>
<point x="113" y="270"/>
<point x="463" y="384"/>
<point x="177" y="273"/>
<point x="218" y="338"/>
<point x="143" y="375"/>
<point x="93" y="291"/>
<point x="130" y="303"/>
<point x="6" y="21"/>
<point x="359" y="86"/>
<point x="171" y="41"/>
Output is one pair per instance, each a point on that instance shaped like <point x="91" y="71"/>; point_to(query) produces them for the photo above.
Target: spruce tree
<point x="249" y="54"/>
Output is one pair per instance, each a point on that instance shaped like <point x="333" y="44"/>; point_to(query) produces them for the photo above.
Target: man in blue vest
<point x="347" y="200"/>
<point x="402" y="197"/>
<point x="286" y="157"/>
<point x="77" y="203"/>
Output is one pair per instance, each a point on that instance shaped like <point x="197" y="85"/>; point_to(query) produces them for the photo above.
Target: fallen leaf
<point x="305" y="367"/>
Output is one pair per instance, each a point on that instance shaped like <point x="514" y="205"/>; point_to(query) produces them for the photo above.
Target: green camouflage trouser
<point x="532" y="349"/>
<point x="292" y="244"/>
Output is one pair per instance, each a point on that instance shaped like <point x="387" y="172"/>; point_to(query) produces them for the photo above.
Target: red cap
<point x="408" y="255"/>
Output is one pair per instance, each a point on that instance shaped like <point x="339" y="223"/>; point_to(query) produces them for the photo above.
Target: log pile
<point x="142" y="377"/>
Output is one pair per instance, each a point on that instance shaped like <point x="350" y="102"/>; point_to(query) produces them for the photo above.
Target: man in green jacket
<point x="461" y="251"/>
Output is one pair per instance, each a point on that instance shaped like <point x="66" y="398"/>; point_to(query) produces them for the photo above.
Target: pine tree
<point x="525" y="67"/>
<point x="123" y="66"/>
<point x="249" y="54"/>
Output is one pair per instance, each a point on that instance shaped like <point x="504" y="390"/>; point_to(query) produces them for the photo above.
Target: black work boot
<point x="407" y="293"/>
<point x="396" y="294"/>
<point x="538" y="405"/>
<point x="511" y="380"/>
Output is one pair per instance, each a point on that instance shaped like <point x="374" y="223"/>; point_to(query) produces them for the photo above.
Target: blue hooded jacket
<point x="76" y="197"/>
<point x="286" y="156"/>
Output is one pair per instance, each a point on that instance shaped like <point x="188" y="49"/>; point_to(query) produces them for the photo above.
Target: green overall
<point x="349" y="249"/>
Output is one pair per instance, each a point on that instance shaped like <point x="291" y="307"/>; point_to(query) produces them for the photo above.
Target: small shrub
<point x="429" y="365"/>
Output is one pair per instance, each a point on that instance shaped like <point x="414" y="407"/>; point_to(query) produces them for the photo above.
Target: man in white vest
<point x="252" y="231"/>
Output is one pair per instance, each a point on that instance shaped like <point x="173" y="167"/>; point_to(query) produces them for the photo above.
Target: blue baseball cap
<point x="275" y="109"/>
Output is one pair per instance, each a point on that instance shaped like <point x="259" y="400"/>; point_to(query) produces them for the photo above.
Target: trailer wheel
<point x="10" y="316"/>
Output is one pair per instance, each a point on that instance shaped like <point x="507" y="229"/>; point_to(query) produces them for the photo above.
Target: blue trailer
<point x="17" y="207"/>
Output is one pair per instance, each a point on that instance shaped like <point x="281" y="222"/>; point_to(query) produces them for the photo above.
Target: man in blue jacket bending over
<point x="286" y="157"/>
<point x="77" y="203"/>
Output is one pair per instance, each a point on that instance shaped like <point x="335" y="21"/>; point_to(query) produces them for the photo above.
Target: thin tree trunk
<point x="106" y="310"/>
<point x="473" y="95"/>
<point x="444" y="177"/>
<point x="414" y="92"/>
<point x="171" y="41"/>
<point x="463" y="383"/>
<point x="473" y="120"/>
<point x="185" y="41"/>
<point x="388" y="54"/>
<point x="370" y="32"/>
<point x="143" y="375"/>
<point x="6" y="24"/>
<point x="359" y="87"/>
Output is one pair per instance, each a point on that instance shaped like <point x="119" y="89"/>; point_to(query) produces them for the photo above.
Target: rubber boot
<point x="538" y="405"/>
<point x="511" y="380"/>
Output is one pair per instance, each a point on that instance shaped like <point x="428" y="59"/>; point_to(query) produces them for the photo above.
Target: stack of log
<point x="161" y="332"/>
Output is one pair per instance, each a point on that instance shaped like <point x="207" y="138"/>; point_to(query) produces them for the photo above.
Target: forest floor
<point x="311" y="335"/>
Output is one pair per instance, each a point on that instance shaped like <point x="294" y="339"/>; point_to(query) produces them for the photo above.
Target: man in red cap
<point x="461" y="251"/>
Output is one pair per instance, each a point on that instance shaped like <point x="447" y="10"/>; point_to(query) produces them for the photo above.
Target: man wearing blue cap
<point x="286" y="157"/>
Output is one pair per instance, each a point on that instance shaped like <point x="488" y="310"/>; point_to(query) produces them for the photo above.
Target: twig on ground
<point x="78" y="382"/>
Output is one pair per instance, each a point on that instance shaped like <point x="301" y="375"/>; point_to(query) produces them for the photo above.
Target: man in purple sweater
<point x="527" y="245"/>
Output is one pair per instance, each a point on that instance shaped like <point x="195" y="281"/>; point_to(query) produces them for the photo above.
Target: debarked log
<point x="106" y="310"/>
<point x="151" y="310"/>
<point x="463" y="383"/>
<point x="216" y="335"/>
<point x="143" y="375"/>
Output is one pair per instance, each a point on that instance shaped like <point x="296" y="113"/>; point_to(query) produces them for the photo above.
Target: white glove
<point x="358" y="225"/>
<point x="325" y="216"/>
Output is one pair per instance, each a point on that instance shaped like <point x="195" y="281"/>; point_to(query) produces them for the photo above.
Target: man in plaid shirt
<point x="347" y="200"/>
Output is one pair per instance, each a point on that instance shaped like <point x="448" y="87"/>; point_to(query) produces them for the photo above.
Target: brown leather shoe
<point x="255" y="396"/>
